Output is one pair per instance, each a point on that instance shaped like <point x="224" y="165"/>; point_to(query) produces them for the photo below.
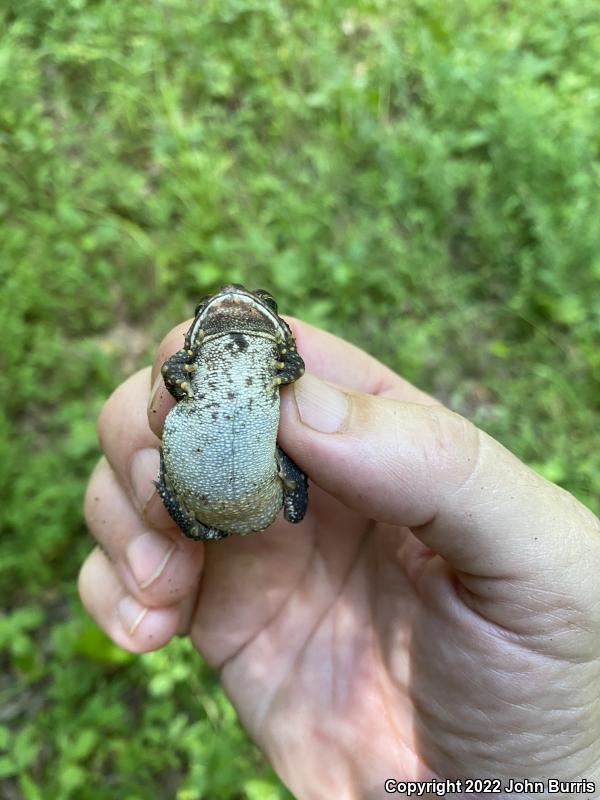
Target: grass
<point x="419" y="177"/>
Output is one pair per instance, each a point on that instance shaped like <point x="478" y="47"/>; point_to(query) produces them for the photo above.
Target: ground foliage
<point x="420" y="177"/>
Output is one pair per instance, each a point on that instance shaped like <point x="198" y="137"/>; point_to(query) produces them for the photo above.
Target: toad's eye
<point x="266" y="298"/>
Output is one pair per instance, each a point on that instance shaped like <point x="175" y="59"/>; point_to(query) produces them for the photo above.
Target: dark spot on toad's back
<point x="249" y="380"/>
<point x="230" y="395"/>
<point x="240" y="340"/>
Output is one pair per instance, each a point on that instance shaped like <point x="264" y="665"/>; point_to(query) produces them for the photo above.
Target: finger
<point x="132" y="449"/>
<point x="157" y="568"/>
<point x="129" y="623"/>
<point x="325" y="355"/>
<point x="462" y="493"/>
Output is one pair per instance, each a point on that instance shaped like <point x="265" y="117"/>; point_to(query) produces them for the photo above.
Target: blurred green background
<point x="421" y="177"/>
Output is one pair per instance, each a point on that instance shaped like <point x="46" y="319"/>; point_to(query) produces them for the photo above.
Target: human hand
<point x="436" y="614"/>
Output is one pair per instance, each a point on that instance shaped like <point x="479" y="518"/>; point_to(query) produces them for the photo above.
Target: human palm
<point x="309" y="628"/>
<point x="411" y="627"/>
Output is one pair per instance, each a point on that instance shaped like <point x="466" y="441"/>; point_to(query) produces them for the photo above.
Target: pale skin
<point x="436" y="614"/>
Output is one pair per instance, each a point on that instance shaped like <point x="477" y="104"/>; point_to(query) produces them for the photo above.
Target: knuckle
<point x="107" y="416"/>
<point x="92" y="495"/>
<point x="96" y="493"/>
<point x="455" y="446"/>
<point x="119" y="420"/>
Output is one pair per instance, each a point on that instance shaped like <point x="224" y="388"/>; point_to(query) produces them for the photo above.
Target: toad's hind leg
<point x="187" y="522"/>
<point x="295" y="487"/>
<point x="290" y="366"/>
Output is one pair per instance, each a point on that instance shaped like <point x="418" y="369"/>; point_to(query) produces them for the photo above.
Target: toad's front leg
<point x="290" y="365"/>
<point x="178" y="369"/>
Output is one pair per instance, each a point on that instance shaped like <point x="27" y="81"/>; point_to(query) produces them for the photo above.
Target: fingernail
<point x="321" y="406"/>
<point x="147" y="556"/>
<point x="144" y="469"/>
<point x="131" y="613"/>
<point x="157" y="386"/>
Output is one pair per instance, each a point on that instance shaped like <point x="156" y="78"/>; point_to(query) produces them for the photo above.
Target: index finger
<point x="325" y="355"/>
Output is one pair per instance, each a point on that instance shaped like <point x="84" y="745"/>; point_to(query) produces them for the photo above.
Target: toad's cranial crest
<point x="221" y="470"/>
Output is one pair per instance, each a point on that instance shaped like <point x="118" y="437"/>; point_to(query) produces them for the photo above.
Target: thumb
<point x="425" y="467"/>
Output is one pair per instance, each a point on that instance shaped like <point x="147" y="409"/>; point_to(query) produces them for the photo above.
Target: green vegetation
<point x="419" y="177"/>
